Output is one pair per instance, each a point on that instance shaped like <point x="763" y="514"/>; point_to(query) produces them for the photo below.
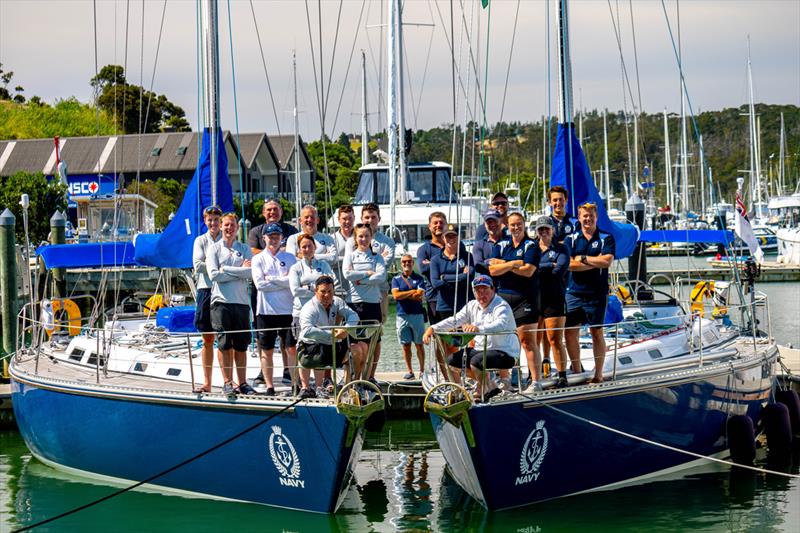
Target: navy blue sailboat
<point x="665" y="407"/>
<point x="77" y="414"/>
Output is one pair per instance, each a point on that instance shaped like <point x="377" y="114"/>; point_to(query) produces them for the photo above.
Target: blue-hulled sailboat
<point x="77" y="414"/>
<point x="662" y="409"/>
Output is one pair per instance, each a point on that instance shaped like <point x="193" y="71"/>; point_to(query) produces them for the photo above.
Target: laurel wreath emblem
<point x="282" y="470"/>
<point x="528" y="465"/>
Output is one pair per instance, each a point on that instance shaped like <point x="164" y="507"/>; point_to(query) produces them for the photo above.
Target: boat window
<point x="655" y="354"/>
<point x="368" y="180"/>
<point x="411" y="233"/>
<point x="420" y="186"/>
<point x="442" y="183"/>
<point x="140" y="367"/>
<point x="93" y="359"/>
<point x="174" y="372"/>
<point x="625" y="360"/>
<point x="76" y="354"/>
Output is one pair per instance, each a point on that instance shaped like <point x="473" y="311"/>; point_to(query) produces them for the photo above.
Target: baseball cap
<point x="542" y="222"/>
<point x="492" y="213"/>
<point x="498" y="195"/>
<point x="482" y="280"/>
<point x="273" y="228"/>
<point x="451" y="229"/>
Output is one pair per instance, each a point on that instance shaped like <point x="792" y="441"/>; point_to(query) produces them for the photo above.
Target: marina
<point x="472" y="327"/>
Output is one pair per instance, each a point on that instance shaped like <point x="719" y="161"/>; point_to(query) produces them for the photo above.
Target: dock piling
<point x="8" y="284"/>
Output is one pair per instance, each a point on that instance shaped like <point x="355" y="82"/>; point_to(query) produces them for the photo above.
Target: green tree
<point x="167" y="195"/>
<point x="122" y="100"/>
<point x="45" y="198"/>
<point x="342" y="171"/>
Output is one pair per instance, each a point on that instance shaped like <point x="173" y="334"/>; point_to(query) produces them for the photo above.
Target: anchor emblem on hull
<point x="533" y="452"/>
<point x="285" y="458"/>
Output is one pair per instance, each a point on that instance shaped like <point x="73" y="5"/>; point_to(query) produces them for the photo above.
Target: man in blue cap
<point x="487" y="313"/>
<point x="483" y="250"/>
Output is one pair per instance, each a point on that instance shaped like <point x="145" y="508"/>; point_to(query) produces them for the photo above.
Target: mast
<point x="606" y="173"/>
<point x="401" y="121"/>
<point x="635" y="147"/>
<point x="684" y="157"/>
<point x="391" y="109"/>
<point x="667" y="162"/>
<point x="565" y="81"/>
<point x="298" y="198"/>
<point x="702" y="178"/>
<point x="755" y="164"/>
<point x="211" y="84"/>
<point x="781" y="159"/>
<point x="364" y="126"/>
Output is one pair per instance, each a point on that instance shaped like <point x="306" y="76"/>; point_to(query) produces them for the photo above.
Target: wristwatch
<point x="583" y="260"/>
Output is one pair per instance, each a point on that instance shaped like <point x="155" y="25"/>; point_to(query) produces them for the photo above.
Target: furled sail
<point x="173" y="247"/>
<point x="571" y="171"/>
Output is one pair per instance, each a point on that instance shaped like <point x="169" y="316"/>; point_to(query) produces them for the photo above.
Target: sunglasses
<point x="588" y="205"/>
<point x="363" y="225"/>
<point x="500" y="203"/>
<point x="212" y="210"/>
<point x="406" y="262"/>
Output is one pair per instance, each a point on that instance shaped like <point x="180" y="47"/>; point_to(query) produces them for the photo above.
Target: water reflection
<point x="402" y="485"/>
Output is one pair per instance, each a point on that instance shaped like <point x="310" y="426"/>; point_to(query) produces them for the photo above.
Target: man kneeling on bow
<point x="488" y="313"/>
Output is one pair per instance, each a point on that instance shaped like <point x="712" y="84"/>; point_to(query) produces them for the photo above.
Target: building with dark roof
<point x="255" y="168"/>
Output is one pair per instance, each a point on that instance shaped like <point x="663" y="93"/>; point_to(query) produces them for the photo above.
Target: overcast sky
<point x="50" y="47"/>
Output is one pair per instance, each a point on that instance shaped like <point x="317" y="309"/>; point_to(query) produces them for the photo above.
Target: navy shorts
<point x="318" y="355"/>
<point x="524" y="312"/>
<point x="586" y="309"/>
<point x="494" y="359"/>
<point x="232" y="324"/>
<point x="271" y="323"/>
<point x="366" y="312"/>
<point x="202" y="312"/>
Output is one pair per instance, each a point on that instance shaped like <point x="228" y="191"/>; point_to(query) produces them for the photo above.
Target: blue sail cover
<point x="571" y="172"/>
<point x="688" y="235"/>
<point x="87" y="255"/>
<point x="173" y="247"/>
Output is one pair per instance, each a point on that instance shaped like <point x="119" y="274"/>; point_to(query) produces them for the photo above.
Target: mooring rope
<point x="160" y="474"/>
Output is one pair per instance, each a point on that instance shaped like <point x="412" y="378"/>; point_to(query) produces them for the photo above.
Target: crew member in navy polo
<point x="500" y="203"/>
<point x="431" y="247"/>
<point x="451" y="273"/>
<point x="483" y="250"/>
<point x="591" y="254"/>
<point x="563" y="224"/>
<point x="513" y="269"/>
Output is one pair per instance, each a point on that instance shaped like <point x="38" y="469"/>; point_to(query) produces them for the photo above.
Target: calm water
<point x="401" y="485"/>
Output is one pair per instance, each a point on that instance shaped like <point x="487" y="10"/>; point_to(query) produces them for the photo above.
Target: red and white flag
<point x="744" y="230"/>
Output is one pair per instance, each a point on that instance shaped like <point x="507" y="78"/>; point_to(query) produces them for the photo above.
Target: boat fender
<point x="700" y="291"/>
<point x="778" y="428"/>
<point x="153" y="304"/>
<point x="73" y="316"/>
<point x="741" y="439"/>
<point x="624" y="294"/>
<point x="791" y="400"/>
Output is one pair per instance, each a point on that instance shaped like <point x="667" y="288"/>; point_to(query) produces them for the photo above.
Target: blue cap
<point x="482" y="280"/>
<point x="273" y="228"/>
<point x="492" y="213"/>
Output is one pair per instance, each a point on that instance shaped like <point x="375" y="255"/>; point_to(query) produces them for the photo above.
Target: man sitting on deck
<point x="315" y="346"/>
<point x="487" y="313"/>
<point x="591" y="254"/>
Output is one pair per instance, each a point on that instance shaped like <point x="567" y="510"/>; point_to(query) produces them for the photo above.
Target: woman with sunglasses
<point x="553" y="270"/>
<point x="365" y="271"/>
<point x="514" y="271"/>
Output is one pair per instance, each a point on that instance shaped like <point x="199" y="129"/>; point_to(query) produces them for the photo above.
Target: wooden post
<point x="8" y="284"/>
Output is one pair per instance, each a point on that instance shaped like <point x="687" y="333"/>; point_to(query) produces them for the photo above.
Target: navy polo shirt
<point x="564" y="228"/>
<point x="594" y="281"/>
<point x="407" y="307"/>
<point x="553" y="271"/>
<point x="512" y="283"/>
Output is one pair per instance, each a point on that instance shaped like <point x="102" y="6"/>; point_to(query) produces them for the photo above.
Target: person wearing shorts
<point x="487" y="313"/>
<point x="318" y="333"/>
<point x="408" y="289"/>
<point x="591" y="254"/>
<point x="553" y="271"/>
<point x="228" y="265"/>
<point x="270" y="272"/>
<point x="513" y="270"/>
<point x="366" y="271"/>
<point x="202" y="310"/>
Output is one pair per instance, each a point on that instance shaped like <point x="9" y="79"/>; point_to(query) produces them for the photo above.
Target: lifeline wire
<point x="657" y="444"/>
<point x="162" y="473"/>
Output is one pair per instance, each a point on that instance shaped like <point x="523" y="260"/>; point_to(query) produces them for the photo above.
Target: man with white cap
<point x="487" y="313"/>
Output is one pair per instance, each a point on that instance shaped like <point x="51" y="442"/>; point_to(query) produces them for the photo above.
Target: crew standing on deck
<point x="451" y="273"/>
<point x="202" y="313"/>
<point x="365" y="270"/>
<point x="408" y="289"/>
<point x="309" y="222"/>
<point x="500" y="203"/>
<point x="274" y="307"/>
<point x="228" y="265"/>
<point x="514" y="272"/>
<point x="347" y="222"/>
<point x="591" y="254"/>
<point x="483" y="250"/>
<point x="433" y="246"/>
<point x="553" y="271"/>
<point x="563" y="224"/>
